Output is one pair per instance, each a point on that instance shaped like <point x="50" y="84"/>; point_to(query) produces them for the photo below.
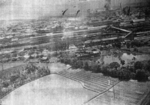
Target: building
<point x="72" y="48"/>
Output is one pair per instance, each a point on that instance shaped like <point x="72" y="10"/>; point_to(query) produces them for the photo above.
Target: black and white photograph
<point x="74" y="52"/>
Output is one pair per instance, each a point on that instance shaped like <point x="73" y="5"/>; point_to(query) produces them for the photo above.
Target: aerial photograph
<point x="75" y="52"/>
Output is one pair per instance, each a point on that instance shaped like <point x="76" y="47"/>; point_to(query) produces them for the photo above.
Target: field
<point x="110" y="90"/>
<point x="95" y="82"/>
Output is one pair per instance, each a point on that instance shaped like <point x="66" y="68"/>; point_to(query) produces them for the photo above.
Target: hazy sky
<point x="28" y="9"/>
<point x="22" y="9"/>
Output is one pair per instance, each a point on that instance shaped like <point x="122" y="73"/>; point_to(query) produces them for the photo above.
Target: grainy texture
<point x="74" y="52"/>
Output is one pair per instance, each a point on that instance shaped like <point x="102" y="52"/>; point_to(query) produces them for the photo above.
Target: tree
<point x="126" y="74"/>
<point x="131" y="69"/>
<point x="75" y="63"/>
<point x="141" y="75"/>
<point x="96" y="69"/>
<point x="104" y="70"/>
<point x="114" y="65"/>
<point x="93" y="68"/>
<point x="113" y="73"/>
<point x="5" y="84"/>
<point x="30" y="68"/>
<point x="86" y="66"/>
<point x="122" y="62"/>
<point x="132" y="76"/>
<point x="147" y="66"/>
<point x="80" y="64"/>
<point x="138" y="65"/>
<point x="120" y="74"/>
<point x="13" y="78"/>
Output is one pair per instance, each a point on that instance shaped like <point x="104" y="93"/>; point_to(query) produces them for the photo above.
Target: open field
<point x="52" y="89"/>
<point x="94" y="82"/>
<point x="126" y="93"/>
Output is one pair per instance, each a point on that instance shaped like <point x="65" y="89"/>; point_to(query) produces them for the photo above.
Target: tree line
<point x="140" y="70"/>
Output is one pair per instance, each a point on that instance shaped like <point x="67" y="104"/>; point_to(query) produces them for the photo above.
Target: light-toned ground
<point x="125" y="93"/>
<point x="67" y="89"/>
<point x="50" y="90"/>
